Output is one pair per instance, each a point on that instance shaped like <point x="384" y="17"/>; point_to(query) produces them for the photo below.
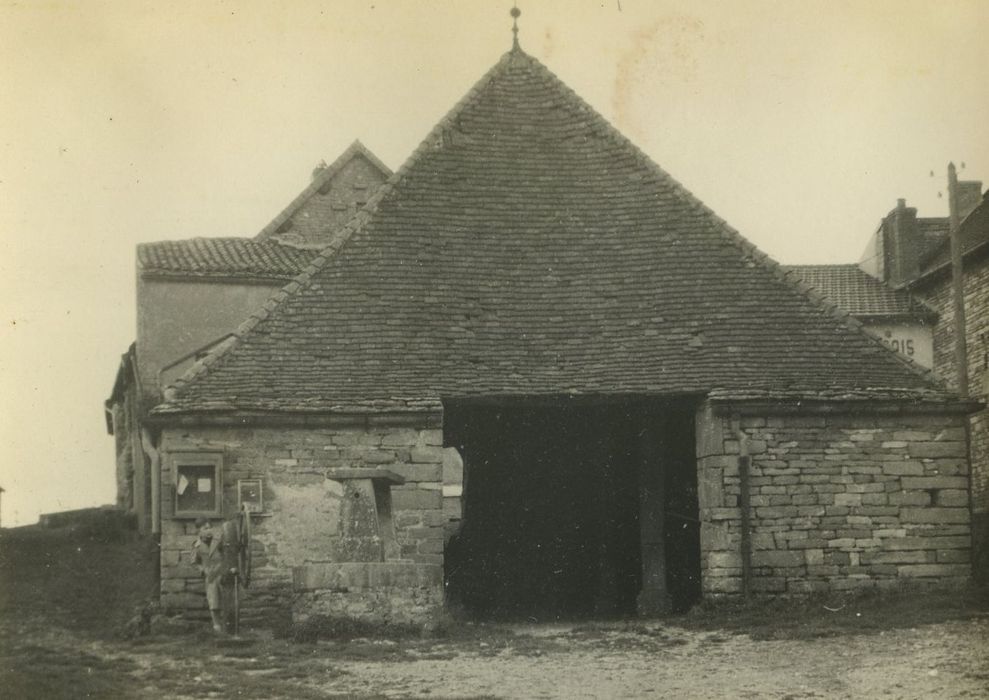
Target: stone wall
<point x="937" y="292"/>
<point x="838" y="502"/>
<point x="301" y="506"/>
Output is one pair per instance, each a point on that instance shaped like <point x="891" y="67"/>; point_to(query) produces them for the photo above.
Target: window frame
<point x="197" y="458"/>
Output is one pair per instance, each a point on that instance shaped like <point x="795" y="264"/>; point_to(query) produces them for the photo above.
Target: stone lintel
<point x="343" y="474"/>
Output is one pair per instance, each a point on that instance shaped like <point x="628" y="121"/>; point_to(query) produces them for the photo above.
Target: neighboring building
<point x="903" y="322"/>
<point x="933" y="284"/>
<point x="647" y="408"/>
<point x="192" y="294"/>
<point x="906" y="271"/>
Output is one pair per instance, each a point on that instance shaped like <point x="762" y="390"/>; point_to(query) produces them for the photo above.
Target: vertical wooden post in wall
<point x="957" y="284"/>
<point x="745" y="505"/>
<point x="654" y="598"/>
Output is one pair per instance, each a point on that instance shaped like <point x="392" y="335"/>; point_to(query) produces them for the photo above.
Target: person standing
<point x="214" y="552"/>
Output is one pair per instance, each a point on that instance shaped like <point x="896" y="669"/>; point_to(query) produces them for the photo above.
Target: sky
<point x="800" y="122"/>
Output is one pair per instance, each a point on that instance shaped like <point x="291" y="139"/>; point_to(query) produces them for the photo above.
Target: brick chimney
<point x="969" y="195"/>
<point x="901" y="244"/>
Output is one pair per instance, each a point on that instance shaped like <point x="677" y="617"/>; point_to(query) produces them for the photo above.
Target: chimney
<point x="901" y="244"/>
<point x="969" y="196"/>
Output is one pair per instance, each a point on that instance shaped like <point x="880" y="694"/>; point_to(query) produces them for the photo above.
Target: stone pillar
<point x="654" y="598"/>
<point x="366" y="529"/>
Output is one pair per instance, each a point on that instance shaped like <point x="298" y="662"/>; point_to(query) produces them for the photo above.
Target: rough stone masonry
<point x="837" y="502"/>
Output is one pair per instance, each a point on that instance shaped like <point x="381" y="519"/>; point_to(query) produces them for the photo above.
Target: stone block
<point x="714" y="536"/>
<point x="778" y="558"/>
<point x="903" y="468"/>
<point x="874" y="499"/>
<point x="416" y="499"/>
<point x="948" y="542"/>
<point x="769" y="584"/>
<point x="952" y="498"/>
<point x="379" y="457"/>
<point x="805" y="587"/>
<point x="173" y="585"/>
<point x="427" y="455"/>
<point x="911" y="435"/>
<point x="814" y="557"/>
<point x="935" y="515"/>
<point x="421" y="472"/>
<point x="954" y="556"/>
<point x="723" y="514"/>
<point x="724" y="560"/>
<point x="722" y="584"/>
<point x="400" y="438"/>
<point x="934" y="570"/>
<point x="432" y="438"/>
<point x="935" y="482"/>
<point x="182" y="571"/>
<point x="899" y="557"/>
<point x="923" y="450"/>
<point x="909" y="498"/>
<point x="772" y="512"/>
<point x="848" y="499"/>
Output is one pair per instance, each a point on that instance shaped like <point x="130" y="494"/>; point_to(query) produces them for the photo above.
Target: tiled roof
<point x="860" y="294"/>
<point x="527" y="248"/>
<point x="974" y="232"/>
<point x="223" y="257"/>
<point x="290" y="241"/>
<point x="326" y="205"/>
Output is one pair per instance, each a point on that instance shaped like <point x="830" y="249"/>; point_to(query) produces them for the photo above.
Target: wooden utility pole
<point x="957" y="284"/>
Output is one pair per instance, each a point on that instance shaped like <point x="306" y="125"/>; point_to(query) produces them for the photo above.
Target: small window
<point x="198" y="484"/>
<point x="249" y="496"/>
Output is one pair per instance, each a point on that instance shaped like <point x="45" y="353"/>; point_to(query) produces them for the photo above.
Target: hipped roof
<point x="527" y="248"/>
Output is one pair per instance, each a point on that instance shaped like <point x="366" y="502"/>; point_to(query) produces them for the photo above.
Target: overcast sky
<point x="798" y="122"/>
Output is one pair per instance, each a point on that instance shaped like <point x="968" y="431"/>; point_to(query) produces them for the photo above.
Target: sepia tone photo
<point x="491" y="349"/>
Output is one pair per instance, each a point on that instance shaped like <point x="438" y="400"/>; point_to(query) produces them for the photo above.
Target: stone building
<point x="192" y="294"/>
<point x="646" y="408"/>
<point x="908" y="262"/>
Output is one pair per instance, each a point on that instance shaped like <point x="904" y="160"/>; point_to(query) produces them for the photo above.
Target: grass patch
<point x="91" y="577"/>
<point x="827" y="616"/>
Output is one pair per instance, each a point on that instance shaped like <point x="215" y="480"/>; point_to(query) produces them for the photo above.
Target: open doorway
<point x="574" y="509"/>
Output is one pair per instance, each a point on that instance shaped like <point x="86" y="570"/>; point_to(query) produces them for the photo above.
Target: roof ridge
<point x="327" y="174"/>
<point x="787" y="277"/>
<point x="353" y="226"/>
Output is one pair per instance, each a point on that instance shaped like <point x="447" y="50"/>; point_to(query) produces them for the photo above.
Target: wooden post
<point x="957" y="284"/>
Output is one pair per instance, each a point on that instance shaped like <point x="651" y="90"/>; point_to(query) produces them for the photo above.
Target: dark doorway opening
<point x="574" y="509"/>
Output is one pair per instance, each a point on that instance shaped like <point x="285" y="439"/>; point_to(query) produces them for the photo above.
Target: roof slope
<point x="223" y="257"/>
<point x="527" y="248"/>
<point x="860" y="294"/>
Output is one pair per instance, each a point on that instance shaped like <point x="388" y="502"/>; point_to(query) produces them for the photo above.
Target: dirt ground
<point x="64" y="600"/>
<point x="604" y="660"/>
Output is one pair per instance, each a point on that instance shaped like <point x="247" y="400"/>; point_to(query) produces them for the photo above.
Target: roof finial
<point x="515" y="12"/>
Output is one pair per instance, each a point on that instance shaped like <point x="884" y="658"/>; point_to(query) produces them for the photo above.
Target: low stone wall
<point x="386" y="592"/>
<point x="301" y="506"/>
<point x="838" y="502"/>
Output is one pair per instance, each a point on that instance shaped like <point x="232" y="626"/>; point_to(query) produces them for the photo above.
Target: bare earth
<point x="611" y="660"/>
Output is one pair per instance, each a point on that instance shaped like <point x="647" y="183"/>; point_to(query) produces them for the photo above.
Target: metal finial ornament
<point x="515" y="12"/>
